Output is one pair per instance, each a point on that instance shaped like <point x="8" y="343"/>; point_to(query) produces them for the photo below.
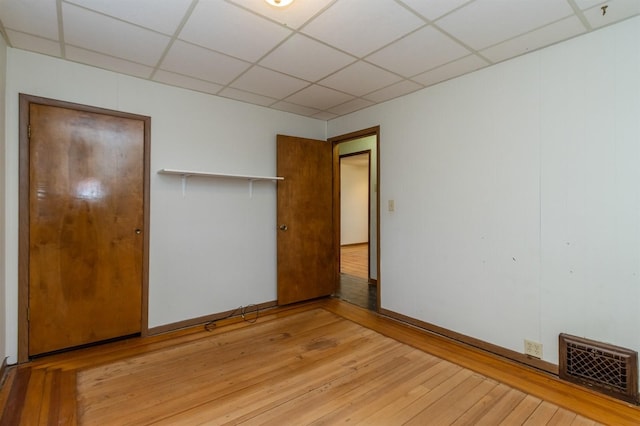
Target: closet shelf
<point x="189" y="173"/>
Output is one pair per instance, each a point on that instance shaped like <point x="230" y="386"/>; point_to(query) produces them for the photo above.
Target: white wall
<point x="517" y="196"/>
<point x="211" y="250"/>
<point x="3" y="80"/>
<point x="354" y="203"/>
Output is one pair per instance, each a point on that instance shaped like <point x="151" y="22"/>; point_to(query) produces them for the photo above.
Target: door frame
<point x="336" y="140"/>
<point x="25" y="101"/>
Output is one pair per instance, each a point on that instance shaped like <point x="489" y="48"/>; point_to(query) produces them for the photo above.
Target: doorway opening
<point x="357" y="205"/>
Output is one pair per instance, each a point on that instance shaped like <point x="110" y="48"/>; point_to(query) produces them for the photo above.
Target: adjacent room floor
<point x="354" y="286"/>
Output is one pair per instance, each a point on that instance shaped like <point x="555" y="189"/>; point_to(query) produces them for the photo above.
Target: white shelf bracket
<point x="251" y="188"/>
<point x="184" y="185"/>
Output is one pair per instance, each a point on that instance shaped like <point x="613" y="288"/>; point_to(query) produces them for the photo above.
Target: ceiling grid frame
<point x="278" y="72"/>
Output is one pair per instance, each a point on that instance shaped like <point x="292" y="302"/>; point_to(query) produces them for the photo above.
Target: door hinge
<point x="28" y="314"/>
<point x="29" y="131"/>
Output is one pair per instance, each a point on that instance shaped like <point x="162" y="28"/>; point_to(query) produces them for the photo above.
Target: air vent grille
<point x="609" y="369"/>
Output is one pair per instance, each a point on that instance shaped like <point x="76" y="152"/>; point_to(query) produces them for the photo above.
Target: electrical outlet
<point x="532" y="348"/>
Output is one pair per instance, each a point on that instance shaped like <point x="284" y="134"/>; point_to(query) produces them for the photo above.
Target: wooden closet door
<point x="86" y="223"/>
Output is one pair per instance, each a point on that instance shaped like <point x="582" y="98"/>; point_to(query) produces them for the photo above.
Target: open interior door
<point x="306" y="251"/>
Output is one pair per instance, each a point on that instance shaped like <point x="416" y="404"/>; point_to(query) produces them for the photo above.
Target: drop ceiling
<point x="317" y="58"/>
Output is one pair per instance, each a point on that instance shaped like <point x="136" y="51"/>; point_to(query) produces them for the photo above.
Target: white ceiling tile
<point x="320" y="98"/>
<point x="529" y="42"/>
<point x="362" y="26"/>
<point x="326" y="116"/>
<point x="396" y="90"/>
<point x="586" y="4"/>
<point x="96" y="32"/>
<point x="295" y="109"/>
<point x="451" y="70"/>
<point x="30" y="16"/>
<point x="351" y="79"/>
<point x="293" y="16"/>
<point x="229" y="29"/>
<point x="107" y="62"/>
<point x="351" y="106"/>
<point x="420" y="51"/>
<point x="305" y="58"/>
<point x="33" y="43"/>
<point x="165" y="18"/>
<point x="433" y="9"/>
<point x="484" y="23"/>
<point x="186" y="82"/>
<point x="243" y="96"/>
<point x="187" y="59"/>
<point x="616" y="11"/>
<point x="268" y="83"/>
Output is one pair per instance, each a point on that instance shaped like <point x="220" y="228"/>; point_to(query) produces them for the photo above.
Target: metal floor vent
<point x="606" y="368"/>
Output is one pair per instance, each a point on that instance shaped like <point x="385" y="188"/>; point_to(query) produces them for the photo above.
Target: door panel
<point x="306" y="250"/>
<point x="86" y="219"/>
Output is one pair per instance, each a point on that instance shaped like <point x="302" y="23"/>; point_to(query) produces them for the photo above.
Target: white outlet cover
<point x="532" y="348"/>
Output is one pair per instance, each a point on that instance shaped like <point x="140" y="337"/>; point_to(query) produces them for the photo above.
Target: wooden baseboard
<point x="208" y="318"/>
<point x="476" y="343"/>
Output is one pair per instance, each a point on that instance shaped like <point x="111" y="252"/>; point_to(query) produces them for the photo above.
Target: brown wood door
<point x="307" y="262"/>
<point x="86" y="224"/>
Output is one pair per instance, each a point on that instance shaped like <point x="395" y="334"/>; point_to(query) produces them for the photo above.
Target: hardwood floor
<point x="354" y="261"/>
<point x="324" y="362"/>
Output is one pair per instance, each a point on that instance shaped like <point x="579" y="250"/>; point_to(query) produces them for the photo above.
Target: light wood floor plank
<point x="217" y="373"/>
<point x="268" y="396"/>
<point x="452" y="405"/>
<point x="542" y="415"/>
<point x="583" y="421"/>
<point x="321" y="395"/>
<point x="248" y="344"/>
<point x="404" y="397"/>
<point x="522" y="411"/>
<point x="562" y="417"/>
<point x="502" y="408"/>
<point x="479" y="410"/>
<point x="379" y="396"/>
<point x="342" y="409"/>
<point x="426" y="394"/>
<point x="302" y="409"/>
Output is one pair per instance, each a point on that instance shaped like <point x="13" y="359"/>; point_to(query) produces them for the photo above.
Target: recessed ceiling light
<point x="279" y="3"/>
